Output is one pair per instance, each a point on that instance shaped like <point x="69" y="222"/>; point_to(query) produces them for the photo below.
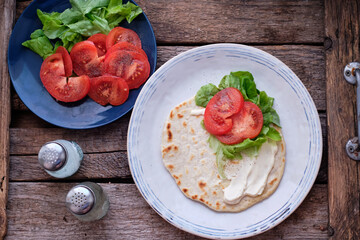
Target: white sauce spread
<point x="196" y="112"/>
<point x="250" y="175"/>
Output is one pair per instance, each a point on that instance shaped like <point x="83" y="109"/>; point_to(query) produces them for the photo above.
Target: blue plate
<point x="24" y="69"/>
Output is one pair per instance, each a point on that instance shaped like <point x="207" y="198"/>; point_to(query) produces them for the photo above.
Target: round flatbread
<point x="192" y="163"/>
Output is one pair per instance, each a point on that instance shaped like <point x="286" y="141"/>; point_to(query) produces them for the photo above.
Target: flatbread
<point x="192" y="163"/>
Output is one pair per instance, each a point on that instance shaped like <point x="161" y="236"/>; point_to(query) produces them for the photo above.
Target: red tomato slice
<point x="125" y="46"/>
<point x="67" y="60"/>
<point x="52" y="66"/>
<point x="120" y="34"/>
<point x="246" y="124"/>
<point x="85" y="59"/>
<point x="52" y="75"/>
<point x="131" y="66"/>
<point x="108" y="89"/>
<point x="220" y="108"/>
<point x="99" y="40"/>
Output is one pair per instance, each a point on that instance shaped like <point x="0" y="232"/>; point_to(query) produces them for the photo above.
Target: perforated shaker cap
<point x="52" y="156"/>
<point x="80" y="200"/>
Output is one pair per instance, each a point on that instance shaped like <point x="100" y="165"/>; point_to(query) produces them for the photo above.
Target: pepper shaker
<point x="87" y="201"/>
<point x="60" y="158"/>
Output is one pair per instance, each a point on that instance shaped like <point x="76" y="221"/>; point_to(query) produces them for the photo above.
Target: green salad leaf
<point x="84" y="19"/>
<point x="86" y="6"/>
<point x="39" y="43"/>
<point x="244" y="81"/>
<point x="205" y="93"/>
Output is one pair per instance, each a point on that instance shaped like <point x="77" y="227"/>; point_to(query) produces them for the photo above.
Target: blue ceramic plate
<point x="178" y="80"/>
<point x="24" y="68"/>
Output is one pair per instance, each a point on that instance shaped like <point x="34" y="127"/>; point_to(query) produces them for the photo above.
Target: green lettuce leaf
<point x="117" y="12"/>
<point x="39" y="44"/>
<point x="52" y="25"/>
<point x="205" y="93"/>
<point x="100" y="23"/>
<point x="70" y="16"/>
<point x="135" y="11"/>
<point x="244" y="81"/>
<point x="271" y="116"/>
<point x="230" y="152"/>
<point x="273" y="134"/>
<point x="86" y="6"/>
<point x="69" y="38"/>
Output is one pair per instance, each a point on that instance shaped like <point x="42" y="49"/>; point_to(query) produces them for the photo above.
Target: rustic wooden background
<point x="303" y="34"/>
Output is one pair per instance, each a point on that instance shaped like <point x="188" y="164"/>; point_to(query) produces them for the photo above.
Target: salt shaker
<point x="87" y="201"/>
<point x="60" y="158"/>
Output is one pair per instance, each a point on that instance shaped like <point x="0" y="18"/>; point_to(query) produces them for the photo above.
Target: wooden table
<point x="316" y="39"/>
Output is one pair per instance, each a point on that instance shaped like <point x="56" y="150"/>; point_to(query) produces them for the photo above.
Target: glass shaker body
<point x="87" y="201"/>
<point x="66" y="154"/>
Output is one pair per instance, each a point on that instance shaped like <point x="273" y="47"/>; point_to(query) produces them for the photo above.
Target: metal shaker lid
<point x="80" y="200"/>
<point x="52" y="156"/>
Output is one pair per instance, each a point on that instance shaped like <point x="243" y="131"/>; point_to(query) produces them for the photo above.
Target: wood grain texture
<point x="307" y="62"/>
<point x="342" y="30"/>
<point x="109" y="138"/>
<point x="100" y="161"/>
<point x="94" y="166"/>
<point x="7" y="16"/>
<point x="37" y="211"/>
<point x="243" y="21"/>
<point x="209" y="21"/>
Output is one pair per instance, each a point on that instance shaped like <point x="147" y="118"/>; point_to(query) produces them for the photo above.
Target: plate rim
<point x="317" y="127"/>
<point x="67" y="126"/>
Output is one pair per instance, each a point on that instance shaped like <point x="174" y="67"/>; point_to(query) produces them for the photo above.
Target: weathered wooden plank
<point x="109" y="138"/>
<point x="37" y="211"/>
<point x="275" y="22"/>
<point x="306" y="61"/>
<point x="7" y="17"/>
<point x="105" y="164"/>
<point x="208" y="21"/>
<point x="342" y="43"/>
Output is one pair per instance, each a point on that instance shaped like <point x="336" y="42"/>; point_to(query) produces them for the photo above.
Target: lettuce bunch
<point x="84" y="19"/>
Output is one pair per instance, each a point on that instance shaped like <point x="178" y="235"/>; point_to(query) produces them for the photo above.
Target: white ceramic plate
<point x="178" y="80"/>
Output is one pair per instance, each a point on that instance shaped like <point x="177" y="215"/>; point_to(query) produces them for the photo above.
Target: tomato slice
<point x="246" y="124"/>
<point x="131" y="66"/>
<point x="120" y="34"/>
<point x="220" y="108"/>
<point x="99" y="40"/>
<point x="52" y="75"/>
<point x="66" y="59"/>
<point x="125" y="46"/>
<point x="108" y="89"/>
<point x="85" y="59"/>
<point x="52" y="66"/>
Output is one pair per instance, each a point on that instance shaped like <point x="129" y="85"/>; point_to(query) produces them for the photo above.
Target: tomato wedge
<point x="85" y="59"/>
<point x="52" y="75"/>
<point x="125" y="46"/>
<point x="52" y="66"/>
<point x="66" y="59"/>
<point x="120" y="34"/>
<point x="108" y="89"/>
<point x="99" y="40"/>
<point x="246" y="124"/>
<point x="131" y="66"/>
<point x="220" y="108"/>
